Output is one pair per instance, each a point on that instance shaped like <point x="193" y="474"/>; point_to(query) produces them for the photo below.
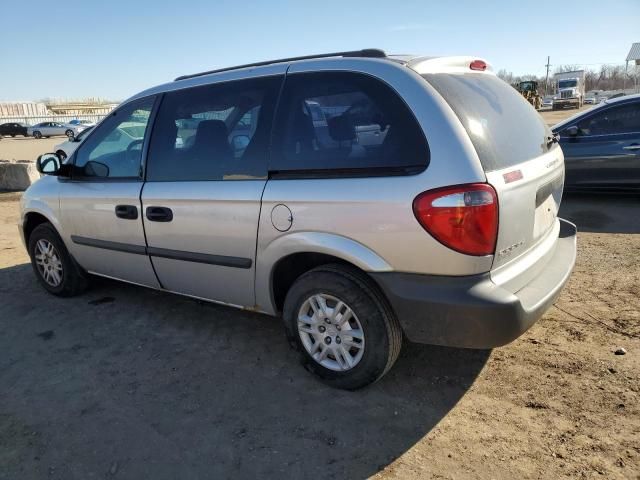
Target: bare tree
<point x="608" y="77"/>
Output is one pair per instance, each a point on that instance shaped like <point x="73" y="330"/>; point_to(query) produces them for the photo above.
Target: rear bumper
<point x="472" y="311"/>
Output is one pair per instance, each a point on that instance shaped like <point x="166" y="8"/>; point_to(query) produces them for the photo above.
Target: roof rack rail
<point x="367" y="52"/>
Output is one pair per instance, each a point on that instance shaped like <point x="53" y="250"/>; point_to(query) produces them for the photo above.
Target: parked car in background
<point x="602" y="146"/>
<point x="65" y="149"/>
<point x="590" y="100"/>
<point x="431" y="215"/>
<point x="51" y="129"/>
<point x="86" y="123"/>
<point x="547" y="101"/>
<point x="602" y="98"/>
<point x="13" y="129"/>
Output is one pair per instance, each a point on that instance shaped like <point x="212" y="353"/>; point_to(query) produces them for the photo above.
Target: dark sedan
<point x="13" y="129"/>
<point x="602" y="146"/>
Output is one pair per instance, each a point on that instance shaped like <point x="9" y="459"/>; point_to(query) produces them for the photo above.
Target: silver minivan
<point x="364" y="198"/>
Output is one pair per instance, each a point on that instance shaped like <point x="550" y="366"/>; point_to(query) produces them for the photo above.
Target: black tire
<point x="382" y="332"/>
<point x="37" y="134"/>
<point x="74" y="280"/>
<point x="13" y="135"/>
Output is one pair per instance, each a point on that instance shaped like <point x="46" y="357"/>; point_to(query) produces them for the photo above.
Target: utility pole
<point x="546" y="80"/>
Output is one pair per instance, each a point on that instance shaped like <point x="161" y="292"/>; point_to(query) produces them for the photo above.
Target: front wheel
<point x="342" y="326"/>
<point x="37" y="134"/>
<point x="54" y="267"/>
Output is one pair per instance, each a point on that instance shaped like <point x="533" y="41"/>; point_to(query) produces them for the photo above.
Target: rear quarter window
<point x="503" y="127"/>
<point x="345" y="124"/>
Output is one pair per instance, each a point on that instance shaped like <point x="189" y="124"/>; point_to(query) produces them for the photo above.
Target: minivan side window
<point x="344" y="123"/>
<point x="614" y="120"/>
<point x="214" y="132"/>
<point x="114" y="149"/>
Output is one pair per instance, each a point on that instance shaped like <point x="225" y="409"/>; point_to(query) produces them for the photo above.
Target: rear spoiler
<point x="459" y="64"/>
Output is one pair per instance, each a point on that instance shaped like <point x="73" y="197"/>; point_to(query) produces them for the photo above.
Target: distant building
<point x="22" y="109"/>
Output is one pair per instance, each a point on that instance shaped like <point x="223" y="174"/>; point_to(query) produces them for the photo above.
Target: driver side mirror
<point x="572" y="131"/>
<point x="49" y="164"/>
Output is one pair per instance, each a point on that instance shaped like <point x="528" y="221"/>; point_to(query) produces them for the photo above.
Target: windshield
<point x="503" y="127"/>
<point x="567" y="83"/>
<point x="527" y="86"/>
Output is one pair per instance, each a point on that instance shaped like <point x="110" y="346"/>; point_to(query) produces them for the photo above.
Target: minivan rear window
<point x="503" y="127"/>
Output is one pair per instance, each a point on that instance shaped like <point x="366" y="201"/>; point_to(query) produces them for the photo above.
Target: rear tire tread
<point x="394" y="330"/>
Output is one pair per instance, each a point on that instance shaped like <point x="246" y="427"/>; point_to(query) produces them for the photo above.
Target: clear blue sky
<point x="115" y="48"/>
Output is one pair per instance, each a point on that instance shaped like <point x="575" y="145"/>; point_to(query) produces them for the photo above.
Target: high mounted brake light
<point x="478" y="65"/>
<point x="463" y="218"/>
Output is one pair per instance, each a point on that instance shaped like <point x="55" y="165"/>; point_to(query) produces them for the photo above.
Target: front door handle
<point x="128" y="212"/>
<point x="633" y="146"/>
<point x="159" y="214"/>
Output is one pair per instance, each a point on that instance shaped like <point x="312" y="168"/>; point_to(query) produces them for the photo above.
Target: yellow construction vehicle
<point x="529" y="90"/>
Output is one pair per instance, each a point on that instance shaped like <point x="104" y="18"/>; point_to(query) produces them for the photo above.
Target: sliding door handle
<point x="128" y="212"/>
<point x="159" y="214"/>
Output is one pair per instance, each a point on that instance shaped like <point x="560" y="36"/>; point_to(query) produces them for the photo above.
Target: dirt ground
<point x="124" y="382"/>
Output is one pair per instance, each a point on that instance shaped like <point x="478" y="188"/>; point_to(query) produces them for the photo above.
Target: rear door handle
<point x="128" y="212"/>
<point x="159" y="214"/>
<point x="633" y="146"/>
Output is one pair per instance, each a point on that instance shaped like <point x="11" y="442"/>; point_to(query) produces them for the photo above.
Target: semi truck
<point x="569" y="89"/>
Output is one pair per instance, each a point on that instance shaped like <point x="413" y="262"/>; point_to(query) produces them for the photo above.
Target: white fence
<point x="33" y="120"/>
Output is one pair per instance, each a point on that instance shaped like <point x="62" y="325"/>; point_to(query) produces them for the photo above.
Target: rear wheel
<point x="37" y="134"/>
<point x="56" y="271"/>
<point x="342" y="326"/>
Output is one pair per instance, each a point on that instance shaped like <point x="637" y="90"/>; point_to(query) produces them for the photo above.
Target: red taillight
<point x="478" y="65"/>
<point x="464" y="217"/>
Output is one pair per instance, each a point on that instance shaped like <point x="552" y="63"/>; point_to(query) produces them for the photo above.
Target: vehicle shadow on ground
<point x="602" y="213"/>
<point x="140" y="384"/>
